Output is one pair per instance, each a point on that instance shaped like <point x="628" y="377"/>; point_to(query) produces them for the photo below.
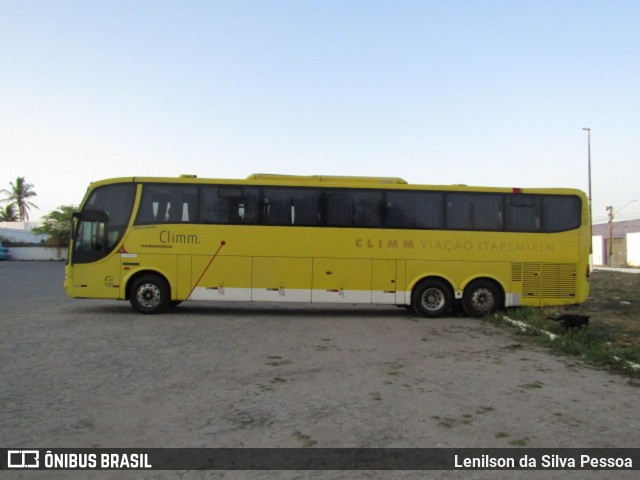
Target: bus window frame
<point x="256" y="195"/>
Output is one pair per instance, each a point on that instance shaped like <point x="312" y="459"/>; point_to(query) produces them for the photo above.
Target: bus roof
<point x="325" y="178"/>
<point x="335" y="181"/>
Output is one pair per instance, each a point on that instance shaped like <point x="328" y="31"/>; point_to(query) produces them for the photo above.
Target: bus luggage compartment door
<point x="341" y="280"/>
<point x="281" y="279"/>
<point x="225" y="279"/>
<point x="383" y="282"/>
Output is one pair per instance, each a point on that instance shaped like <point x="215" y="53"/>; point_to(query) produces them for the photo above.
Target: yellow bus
<point x="277" y="238"/>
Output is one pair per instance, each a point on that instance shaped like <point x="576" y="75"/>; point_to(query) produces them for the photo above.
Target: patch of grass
<point x="532" y="385"/>
<point x="484" y="409"/>
<point x="466" y="419"/>
<point x="446" y="423"/>
<point x="376" y="396"/>
<point x="394" y="368"/>
<point x="277" y="361"/>
<point x="326" y="345"/>
<point x="614" y="294"/>
<point x="501" y="435"/>
<point x="612" y="338"/>
<point x="306" y="440"/>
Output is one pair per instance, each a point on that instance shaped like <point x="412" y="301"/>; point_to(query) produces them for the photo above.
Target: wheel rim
<point x="433" y="299"/>
<point x="149" y="295"/>
<point x="483" y="299"/>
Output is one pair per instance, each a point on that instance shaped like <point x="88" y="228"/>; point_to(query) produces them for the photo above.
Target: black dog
<point x="571" y="321"/>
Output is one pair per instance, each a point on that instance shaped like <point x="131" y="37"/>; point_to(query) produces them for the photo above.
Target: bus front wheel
<point x="149" y="294"/>
<point x="481" y="298"/>
<point x="432" y="298"/>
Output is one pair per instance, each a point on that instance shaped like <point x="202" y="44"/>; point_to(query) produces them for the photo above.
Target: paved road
<point x="84" y="373"/>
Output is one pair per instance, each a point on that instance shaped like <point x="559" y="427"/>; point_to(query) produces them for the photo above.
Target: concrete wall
<point x="633" y="249"/>
<point x="597" y="244"/>
<point x="37" y="253"/>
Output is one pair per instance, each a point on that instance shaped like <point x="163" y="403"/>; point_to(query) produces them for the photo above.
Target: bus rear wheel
<point x="481" y="298"/>
<point x="432" y="298"/>
<point x="149" y="294"/>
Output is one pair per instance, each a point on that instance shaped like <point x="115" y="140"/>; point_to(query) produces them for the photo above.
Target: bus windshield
<point x="102" y="222"/>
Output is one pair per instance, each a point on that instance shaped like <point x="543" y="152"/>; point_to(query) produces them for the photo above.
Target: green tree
<point x="19" y="195"/>
<point x="8" y="213"/>
<point x="55" y="225"/>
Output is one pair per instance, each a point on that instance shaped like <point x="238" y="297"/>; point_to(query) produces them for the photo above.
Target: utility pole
<point x="610" y="210"/>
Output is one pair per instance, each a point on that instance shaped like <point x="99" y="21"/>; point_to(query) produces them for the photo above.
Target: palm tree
<point x="8" y="213"/>
<point x="18" y="196"/>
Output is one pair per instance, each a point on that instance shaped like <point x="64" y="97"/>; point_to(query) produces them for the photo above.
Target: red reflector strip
<point x="517" y="190"/>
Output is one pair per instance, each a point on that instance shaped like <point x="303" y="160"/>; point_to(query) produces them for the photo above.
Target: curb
<point x="525" y="326"/>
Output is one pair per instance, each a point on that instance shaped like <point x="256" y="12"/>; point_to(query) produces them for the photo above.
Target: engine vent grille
<point x="545" y="280"/>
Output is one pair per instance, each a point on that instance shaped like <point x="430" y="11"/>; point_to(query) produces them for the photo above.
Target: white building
<point x="26" y="245"/>
<point x="618" y="245"/>
<point x="20" y="232"/>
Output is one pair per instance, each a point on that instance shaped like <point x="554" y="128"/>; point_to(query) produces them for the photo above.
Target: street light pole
<point x="588" y="130"/>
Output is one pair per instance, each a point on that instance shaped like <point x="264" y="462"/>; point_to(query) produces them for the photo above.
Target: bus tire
<point x="432" y="298"/>
<point x="149" y="294"/>
<point x="481" y="298"/>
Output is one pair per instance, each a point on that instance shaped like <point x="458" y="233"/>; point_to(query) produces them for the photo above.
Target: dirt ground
<point x="88" y="373"/>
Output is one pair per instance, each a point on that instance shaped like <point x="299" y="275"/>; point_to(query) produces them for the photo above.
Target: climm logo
<point x="167" y="236"/>
<point x="379" y="243"/>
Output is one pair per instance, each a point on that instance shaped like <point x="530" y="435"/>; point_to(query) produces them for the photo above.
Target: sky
<point x="482" y="92"/>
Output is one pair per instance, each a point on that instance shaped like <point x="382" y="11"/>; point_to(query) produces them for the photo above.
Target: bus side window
<point x="291" y="206"/>
<point x="238" y="211"/>
<point x="414" y="209"/>
<point x="339" y="211"/>
<point x="367" y="209"/>
<point x="234" y="205"/>
<point x="305" y="208"/>
<point x="167" y="204"/>
<point x="214" y="208"/>
<point x="522" y="213"/>
<point x="354" y="208"/>
<point x="277" y="206"/>
<point x="561" y="213"/>
<point x="189" y="206"/>
<point x="474" y="211"/>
